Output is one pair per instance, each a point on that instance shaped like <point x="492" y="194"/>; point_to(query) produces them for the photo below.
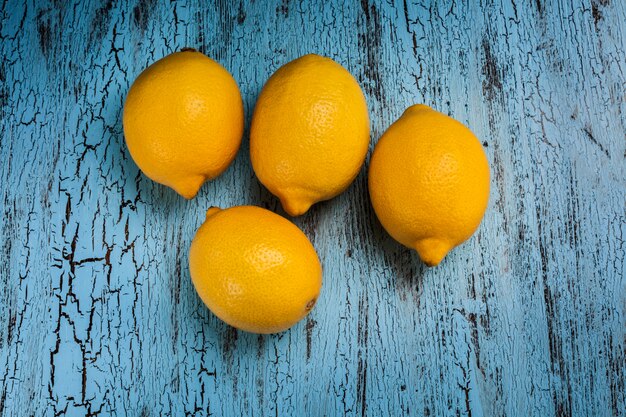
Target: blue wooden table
<point x="98" y="315"/>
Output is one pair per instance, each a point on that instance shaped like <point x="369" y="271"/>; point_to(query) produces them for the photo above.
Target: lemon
<point x="183" y="121"/>
<point x="254" y="269"/>
<point x="429" y="182"/>
<point x="309" y="133"/>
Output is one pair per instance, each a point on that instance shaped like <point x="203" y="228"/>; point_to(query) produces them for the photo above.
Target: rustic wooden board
<point x="97" y="312"/>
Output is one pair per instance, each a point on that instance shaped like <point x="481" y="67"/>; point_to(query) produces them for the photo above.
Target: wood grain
<point x="98" y="315"/>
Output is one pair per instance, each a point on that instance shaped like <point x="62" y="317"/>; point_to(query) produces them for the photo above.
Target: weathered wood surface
<point x="97" y="312"/>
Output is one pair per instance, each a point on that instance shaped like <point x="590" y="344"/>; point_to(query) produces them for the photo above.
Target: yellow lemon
<point x="183" y="121"/>
<point x="429" y="182"/>
<point x="309" y="133"/>
<point x="254" y="269"/>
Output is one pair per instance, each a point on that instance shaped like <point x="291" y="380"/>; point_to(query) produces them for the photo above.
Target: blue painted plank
<point x="98" y="315"/>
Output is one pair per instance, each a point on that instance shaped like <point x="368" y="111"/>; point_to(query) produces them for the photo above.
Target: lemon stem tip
<point x="212" y="210"/>
<point x="432" y="251"/>
<point x="295" y="207"/>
